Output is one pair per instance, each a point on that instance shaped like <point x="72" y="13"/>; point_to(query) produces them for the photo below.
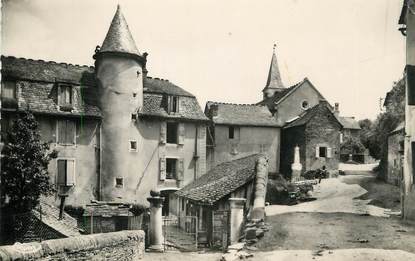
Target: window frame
<point x="231" y="132"/>
<point x="64" y="104"/>
<point x="173" y="104"/>
<point x="57" y="133"/>
<point x="116" y="182"/>
<point x="176" y="124"/>
<point x="320" y="151"/>
<point x="176" y="163"/>
<point x="130" y="142"/>
<point x="66" y="172"/>
<point x="3" y="86"/>
<point x="306" y="106"/>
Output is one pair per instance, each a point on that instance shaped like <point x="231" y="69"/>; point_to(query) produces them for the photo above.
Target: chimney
<point x="336" y="109"/>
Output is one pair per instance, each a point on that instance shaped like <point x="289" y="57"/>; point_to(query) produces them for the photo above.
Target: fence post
<point x="197" y="231"/>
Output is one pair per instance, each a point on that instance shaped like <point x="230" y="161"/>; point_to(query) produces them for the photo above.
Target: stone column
<point x="237" y="218"/>
<point x="296" y="167"/>
<point x="260" y="189"/>
<point x="156" y="222"/>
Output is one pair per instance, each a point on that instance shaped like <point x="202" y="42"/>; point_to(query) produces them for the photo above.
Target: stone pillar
<point x="296" y="167"/>
<point x="237" y="218"/>
<point x="156" y="222"/>
<point x="261" y="180"/>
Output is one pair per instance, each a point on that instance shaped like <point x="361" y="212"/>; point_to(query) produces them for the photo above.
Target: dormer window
<point x="65" y="97"/>
<point x="172" y="104"/>
<point x="8" y="93"/>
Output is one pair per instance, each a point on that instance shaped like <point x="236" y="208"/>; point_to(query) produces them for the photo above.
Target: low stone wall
<point x="123" y="245"/>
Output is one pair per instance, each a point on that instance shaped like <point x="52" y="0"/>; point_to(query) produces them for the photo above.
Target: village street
<point x="351" y="212"/>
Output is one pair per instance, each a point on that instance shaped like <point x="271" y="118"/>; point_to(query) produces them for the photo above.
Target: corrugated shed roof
<point x="220" y="181"/>
<point x="241" y="114"/>
<point x="119" y="38"/>
<point x="348" y="123"/>
<point x="307" y="115"/>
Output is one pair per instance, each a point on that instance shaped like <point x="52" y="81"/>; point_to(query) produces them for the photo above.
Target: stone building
<point x="395" y="152"/>
<point x="317" y="133"/>
<point x="218" y="197"/>
<point x="407" y="22"/>
<point x="119" y="133"/>
<point x="239" y="130"/>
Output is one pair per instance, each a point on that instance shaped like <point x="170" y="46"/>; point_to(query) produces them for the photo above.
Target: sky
<point x="221" y="50"/>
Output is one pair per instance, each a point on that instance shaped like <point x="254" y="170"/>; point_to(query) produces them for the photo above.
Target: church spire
<point x="274" y="82"/>
<point x="119" y="38"/>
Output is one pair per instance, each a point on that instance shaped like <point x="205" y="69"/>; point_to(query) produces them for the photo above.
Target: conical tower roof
<point x="119" y="38"/>
<point x="274" y="76"/>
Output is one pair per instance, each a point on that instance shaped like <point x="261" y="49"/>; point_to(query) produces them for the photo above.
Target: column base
<point x="155" y="248"/>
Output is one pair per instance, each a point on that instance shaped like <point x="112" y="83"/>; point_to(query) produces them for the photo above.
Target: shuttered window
<point x="324" y="152"/>
<point x="66" y="172"/>
<point x="8" y="90"/>
<point x="172" y="132"/>
<point x="66" y="132"/>
<point x="171" y="168"/>
<point x="65" y="95"/>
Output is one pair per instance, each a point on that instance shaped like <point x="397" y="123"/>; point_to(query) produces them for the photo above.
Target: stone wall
<point x="124" y="245"/>
<point x="394" y="173"/>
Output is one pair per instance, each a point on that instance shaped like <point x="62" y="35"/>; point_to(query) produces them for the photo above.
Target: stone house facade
<point x="239" y="130"/>
<point x="407" y="22"/>
<point x="119" y="133"/>
<point x="317" y="133"/>
<point x="395" y="152"/>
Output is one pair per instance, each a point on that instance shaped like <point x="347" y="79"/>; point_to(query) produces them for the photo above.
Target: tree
<point x="352" y="145"/>
<point x="24" y="172"/>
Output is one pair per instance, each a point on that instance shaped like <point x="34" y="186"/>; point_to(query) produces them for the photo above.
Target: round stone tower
<point x="119" y="70"/>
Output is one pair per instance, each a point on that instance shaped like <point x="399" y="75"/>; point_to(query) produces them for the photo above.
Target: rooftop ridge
<point x="47" y="62"/>
<point x="239" y="104"/>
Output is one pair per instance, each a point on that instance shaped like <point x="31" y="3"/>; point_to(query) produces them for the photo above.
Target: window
<point x="304" y="104"/>
<point x="231" y="132"/>
<point x="172" y="132"/>
<point x="66" y="172"/>
<point x="171" y="169"/>
<point x="66" y="132"/>
<point x="65" y="96"/>
<point x="172" y="104"/>
<point x="133" y="116"/>
<point x="133" y="146"/>
<point x="134" y="94"/>
<point x="119" y="182"/>
<point x="8" y="90"/>
<point x="322" y="152"/>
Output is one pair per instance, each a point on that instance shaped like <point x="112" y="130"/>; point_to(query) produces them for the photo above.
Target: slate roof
<point x="241" y="114"/>
<point x="119" y="38"/>
<point x="107" y="210"/>
<point x="220" y="181"/>
<point x="38" y="80"/>
<point x="399" y="128"/>
<point x="307" y="115"/>
<point x="348" y="123"/>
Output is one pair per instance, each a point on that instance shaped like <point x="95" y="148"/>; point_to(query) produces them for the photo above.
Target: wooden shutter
<point x="317" y="152"/>
<point x="61" y="180"/>
<point x="329" y="153"/>
<point x="70" y="172"/>
<point x="180" y="169"/>
<point x="61" y="131"/>
<point x="163" y="132"/>
<point x="181" y="134"/>
<point x="70" y="132"/>
<point x="162" y="168"/>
